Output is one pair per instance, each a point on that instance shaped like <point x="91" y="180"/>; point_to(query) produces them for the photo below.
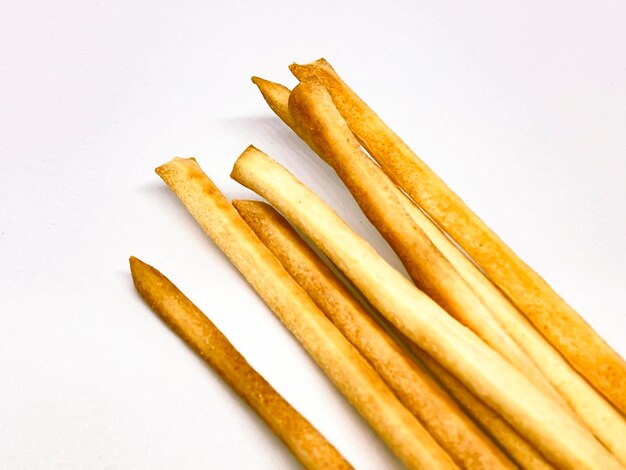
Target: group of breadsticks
<point x="477" y="363"/>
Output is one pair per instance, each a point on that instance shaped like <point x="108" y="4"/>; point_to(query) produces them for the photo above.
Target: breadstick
<point x="566" y="330"/>
<point x="343" y="364"/>
<point x="277" y="98"/>
<point x="445" y="421"/>
<point x="521" y="451"/>
<point x="604" y="421"/>
<point x="599" y="415"/>
<point x="552" y="430"/>
<point x="312" y="108"/>
<point x="188" y="322"/>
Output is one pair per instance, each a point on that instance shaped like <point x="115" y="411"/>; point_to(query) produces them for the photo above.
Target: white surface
<point x="521" y="109"/>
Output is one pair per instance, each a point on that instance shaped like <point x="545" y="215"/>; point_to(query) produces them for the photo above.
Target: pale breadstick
<point x="554" y="318"/>
<point x="445" y="421"/>
<point x="343" y="364"/>
<point x="555" y="432"/>
<point x="602" y="419"/>
<point x="312" y="108"/>
<point x="188" y="322"/>
<point x="525" y="455"/>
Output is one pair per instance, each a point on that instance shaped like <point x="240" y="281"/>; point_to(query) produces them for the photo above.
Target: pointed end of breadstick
<point x="137" y="266"/>
<point x="263" y="83"/>
<point x="277" y="97"/>
<point x="141" y="274"/>
<point x="152" y="286"/>
<point x="270" y="89"/>
<point x="244" y="205"/>
<point x="249" y="208"/>
<point x="133" y="261"/>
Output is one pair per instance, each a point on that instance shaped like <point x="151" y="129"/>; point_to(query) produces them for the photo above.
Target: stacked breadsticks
<point x="476" y="364"/>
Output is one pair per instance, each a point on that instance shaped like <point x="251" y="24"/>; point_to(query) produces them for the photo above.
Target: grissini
<point x="595" y="411"/>
<point x="525" y="455"/>
<point x="415" y="388"/>
<point x="552" y="316"/>
<point x="551" y="429"/>
<point x="192" y="326"/>
<point x="343" y="364"/>
<point x="604" y="421"/>
<point x="277" y="98"/>
<point x="313" y="109"/>
<point x="445" y="421"/>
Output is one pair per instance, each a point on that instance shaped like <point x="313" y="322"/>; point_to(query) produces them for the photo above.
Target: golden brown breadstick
<point x="555" y="432"/>
<point x="188" y="322"/>
<point x="312" y="108"/>
<point x="343" y="364"/>
<point x="554" y="318"/>
<point x="525" y="455"/>
<point x="456" y="433"/>
<point x="602" y="419"/>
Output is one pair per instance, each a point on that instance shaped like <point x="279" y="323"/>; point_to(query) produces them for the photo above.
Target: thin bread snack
<point x="277" y="98"/>
<point x="525" y="455"/>
<point x="602" y="419"/>
<point x="566" y="330"/>
<point x="538" y="418"/>
<point x="314" y="111"/>
<point x="445" y="421"/>
<point x="606" y="423"/>
<point x="192" y="326"/>
<point x="343" y="364"/>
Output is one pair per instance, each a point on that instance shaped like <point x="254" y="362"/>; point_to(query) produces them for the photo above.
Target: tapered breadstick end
<point x="270" y="90"/>
<point x="135" y="263"/>
<point x="247" y="206"/>
<point x="266" y="85"/>
<point x="193" y="327"/>
<point x="140" y="273"/>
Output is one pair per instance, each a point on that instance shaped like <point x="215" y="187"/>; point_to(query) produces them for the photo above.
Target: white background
<point x="520" y="107"/>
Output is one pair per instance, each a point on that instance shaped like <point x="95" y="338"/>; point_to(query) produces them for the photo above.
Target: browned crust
<point x="599" y="415"/>
<point x="555" y="432"/>
<point x="467" y="445"/>
<point x="554" y="318"/>
<point x="343" y="364"/>
<point x="188" y="322"/>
